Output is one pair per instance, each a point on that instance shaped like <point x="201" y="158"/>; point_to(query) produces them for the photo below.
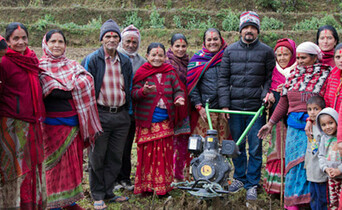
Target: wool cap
<point x="109" y="25"/>
<point x="283" y="43"/>
<point x="249" y="18"/>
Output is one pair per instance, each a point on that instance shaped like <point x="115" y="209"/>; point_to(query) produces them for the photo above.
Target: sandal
<point x="101" y="205"/>
<point x="118" y="199"/>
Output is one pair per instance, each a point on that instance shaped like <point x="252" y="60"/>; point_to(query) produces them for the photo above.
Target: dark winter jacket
<point x="95" y="64"/>
<point x="206" y="89"/>
<point x="245" y="75"/>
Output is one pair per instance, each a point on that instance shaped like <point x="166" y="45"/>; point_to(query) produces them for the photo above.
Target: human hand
<point x="265" y="130"/>
<point x="226" y="115"/>
<point x="271" y="98"/>
<point x="280" y="88"/>
<point x="180" y="101"/>
<point x="308" y="129"/>
<point x="203" y="114"/>
<point x="333" y="172"/>
<point x="148" y="88"/>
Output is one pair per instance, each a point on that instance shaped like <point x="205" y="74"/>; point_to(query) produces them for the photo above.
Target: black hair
<point x="12" y="27"/>
<point x="53" y="31"/>
<point x="338" y="47"/>
<point x="3" y="44"/>
<point x="316" y="100"/>
<point x="176" y="37"/>
<point x="330" y="28"/>
<point x="211" y="30"/>
<point x="155" y="45"/>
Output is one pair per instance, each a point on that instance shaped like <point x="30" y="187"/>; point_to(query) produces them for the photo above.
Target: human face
<point x="213" y="41"/>
<point x="283" y="55"/>
<point x="304" y="59"/>
<point x="328" y="124"/>
<point x="326" y="40"/>
<point x="18" y="41"/>
<point x="338" y="59"/>
<point x="2" y="53"/>
<point x="156" y="57"/>
<point x="313" y="110"/>
<point x="179" y="48"/>
<point x="110" y="41"/>
<point x="249" y="34"/>
<point x="130" y="44"/>
<point x="56" y="44"/>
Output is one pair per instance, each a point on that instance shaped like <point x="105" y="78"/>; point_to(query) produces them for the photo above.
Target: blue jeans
<point x="318" y="194"/>
<point x="248" y="172"/>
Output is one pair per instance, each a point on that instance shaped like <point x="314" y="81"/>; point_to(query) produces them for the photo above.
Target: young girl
<point x="157" y="92"/>
<point x="328" y="155"/>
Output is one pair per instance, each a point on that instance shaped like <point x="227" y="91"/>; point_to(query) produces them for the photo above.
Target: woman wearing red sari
<point x="71" y="123"/>
<point x="327" y="39"/>
<point x="21" y="112"/>
<point x="159" y="100"/>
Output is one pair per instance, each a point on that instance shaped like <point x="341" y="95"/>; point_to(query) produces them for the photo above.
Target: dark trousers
<point x="318" y="194"/>
<point x="247" y="171"/>
<point x="105" y="158"/>
<point x="126" y="166"/>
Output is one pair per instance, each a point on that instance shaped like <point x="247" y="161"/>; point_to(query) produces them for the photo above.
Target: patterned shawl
<point x="68" y="75"/>
<point x="180" y="64"/>
<point x="307" y="79"/>
<point x="200" y="63"/>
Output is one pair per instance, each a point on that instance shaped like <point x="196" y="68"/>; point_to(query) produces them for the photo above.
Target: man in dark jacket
<point x="112" y="72"/>
<point x="244" y="80"/>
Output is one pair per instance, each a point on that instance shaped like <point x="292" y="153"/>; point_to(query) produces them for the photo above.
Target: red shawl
<point x="147" y="70"/>
<point x="328" y="58"/>
<point x="68" y="75"/>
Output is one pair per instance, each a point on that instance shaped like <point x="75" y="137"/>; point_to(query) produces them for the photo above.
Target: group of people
<point x="53" y="108"/>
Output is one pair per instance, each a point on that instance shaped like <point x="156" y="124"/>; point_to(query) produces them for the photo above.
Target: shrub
<point x="41" y="24"/>
<point x="314" y="23"/>
<point x="271" y="24"/>
<point x="177" y="21"/>
<point x="155" y="20"/>
<point x="231" y="21"/>
<point x="195" y="23"/>
<point x="133" y="18"/>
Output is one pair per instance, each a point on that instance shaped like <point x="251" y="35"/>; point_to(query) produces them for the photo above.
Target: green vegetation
<point x="155" y="20"/>
<point x="177" y="21"/>
<point x="133" y="18"/>
<point x="314" y="23"/>
<point x="231" y="20"/>
<point x="271" y="24"/>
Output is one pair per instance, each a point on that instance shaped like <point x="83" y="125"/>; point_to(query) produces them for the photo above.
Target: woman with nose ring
<point x="327" y="39"/>
<point x="285" y="53"/>
<point x="306" y="80"/>
<point x="202" y="80"/>
<point x="71" y="123"/>
<point x="179" y="59"/>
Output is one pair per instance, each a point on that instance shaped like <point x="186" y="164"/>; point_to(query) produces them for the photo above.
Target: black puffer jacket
<point x="245" y="75"/>
<point x="206" y="88"/>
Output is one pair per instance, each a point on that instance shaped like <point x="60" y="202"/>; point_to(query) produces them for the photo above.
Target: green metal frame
<point x="256" y="115"/>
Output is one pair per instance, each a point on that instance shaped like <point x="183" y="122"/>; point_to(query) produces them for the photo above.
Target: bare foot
<point x="100" y="205"/>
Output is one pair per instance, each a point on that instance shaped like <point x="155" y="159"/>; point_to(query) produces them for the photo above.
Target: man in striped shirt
<point x="112" y="72"/>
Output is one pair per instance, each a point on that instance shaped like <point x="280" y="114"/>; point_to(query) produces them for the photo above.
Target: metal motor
<point x="210" y="164"/>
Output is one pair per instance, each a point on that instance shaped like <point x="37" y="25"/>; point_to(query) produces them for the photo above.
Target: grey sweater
<point x="328" y="158"/>
<point x="314" y="173"/>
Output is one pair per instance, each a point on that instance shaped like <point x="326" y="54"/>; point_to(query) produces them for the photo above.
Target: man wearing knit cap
<point x="112" y="72"/>
<point x="129" y="45"/>
<point x="244" y="80"/>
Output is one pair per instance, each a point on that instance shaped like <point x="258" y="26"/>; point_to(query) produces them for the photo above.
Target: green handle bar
<point x="256" y="115"/>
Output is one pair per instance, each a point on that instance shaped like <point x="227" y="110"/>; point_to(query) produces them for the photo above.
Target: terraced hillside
<point x="159" y="19"/>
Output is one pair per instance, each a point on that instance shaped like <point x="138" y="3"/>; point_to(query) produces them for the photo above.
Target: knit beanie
<point x="3" y="44"/>
<point x="109" y="25"/>
<point x="249" y="18"/>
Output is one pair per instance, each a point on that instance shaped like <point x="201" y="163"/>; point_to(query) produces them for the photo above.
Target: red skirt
<point x="155" y="159"/>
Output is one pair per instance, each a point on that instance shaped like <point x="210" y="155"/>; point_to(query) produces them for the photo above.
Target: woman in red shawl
<point x="285" y="52"/>
<point x="159" y="100"/>
<point x="327" y="39"/>
<point x="21" y="112"/>
<point x="202" y="84"/>
<point x="177" y="57"/>
<point x="71" y="123"/>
